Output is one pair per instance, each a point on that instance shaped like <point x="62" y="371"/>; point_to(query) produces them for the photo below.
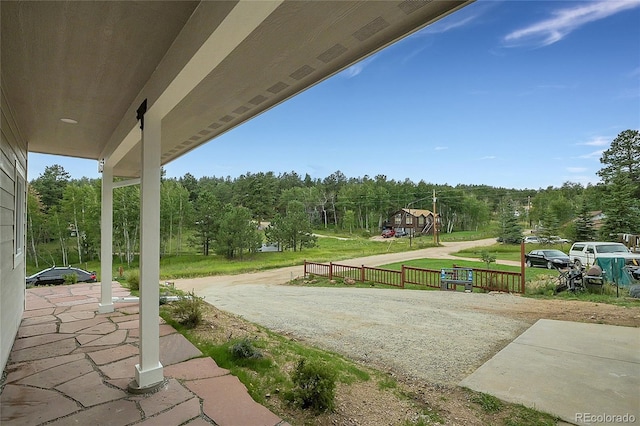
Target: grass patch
<point x="508" y="251"/>
<point x="608" y="295"/>
<point x="437" y="264"/>
<point x="519" y="415"/>
<point x="387" y="383"/>
<point x="510" y="414"/>
<point x="488" y="403"/>
<point x="468" y="235"/>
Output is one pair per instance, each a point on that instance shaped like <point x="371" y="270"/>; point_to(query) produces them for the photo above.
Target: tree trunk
<point x="179" y="236"/>
<point x="33" y="243"/>
<point x="75" y="223"/>
<point x="63" y="245"/>
<point x="335" y="215"/>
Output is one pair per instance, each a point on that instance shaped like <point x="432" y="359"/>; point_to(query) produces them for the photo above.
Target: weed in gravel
<point x="387" y="383"/>
<point x="419" y="422"/>
<point x="433" y="416"/>
<point x="489" y="403"/>
<point x="428" y="417"/>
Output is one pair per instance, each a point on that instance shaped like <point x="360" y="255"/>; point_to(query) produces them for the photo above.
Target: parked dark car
<point x="549" y="259"/>
<point x="58" y="274"/>
<point x="388" y="233"/>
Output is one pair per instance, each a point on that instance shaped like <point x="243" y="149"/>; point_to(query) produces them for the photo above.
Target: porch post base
<point x="147" y="380"/>
<point x="105" y="308"/>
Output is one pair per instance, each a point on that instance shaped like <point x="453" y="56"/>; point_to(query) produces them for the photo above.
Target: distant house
<point x="412" y="221"/>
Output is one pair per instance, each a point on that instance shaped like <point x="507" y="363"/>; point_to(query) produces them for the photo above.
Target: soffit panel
<point x="81" y="60"/>
<point x="297" y="46"/>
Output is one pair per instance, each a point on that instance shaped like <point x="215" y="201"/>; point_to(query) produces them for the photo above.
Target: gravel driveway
<point x="436" y="336"/>
<point x="440" y="337"/>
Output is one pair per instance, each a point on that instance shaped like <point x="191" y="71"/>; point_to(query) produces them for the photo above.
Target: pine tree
<point x="584" y="225"/>
<point x="621" y="208"/>
<point x="511" y="231"/>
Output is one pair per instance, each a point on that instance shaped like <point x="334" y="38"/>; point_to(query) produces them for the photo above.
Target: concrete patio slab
<point x="576" y="371"/>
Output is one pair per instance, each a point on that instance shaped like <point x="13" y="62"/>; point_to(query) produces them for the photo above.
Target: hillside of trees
<point x="221" y="214"/>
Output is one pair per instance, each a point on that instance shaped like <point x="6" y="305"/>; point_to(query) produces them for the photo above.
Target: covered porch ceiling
<point x="206" y="66"/>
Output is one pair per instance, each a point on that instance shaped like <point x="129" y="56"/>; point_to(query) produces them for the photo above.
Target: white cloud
<point x="447" y="25"/>
<point x="356" y="69"/>
<point x="565" y="21"/>
<point x="441" y="148"/>
<point x="487" y="157"/>
<point x="594" y="154"/>
<point x="597" y="141"/>
<point x="576" y="169"/>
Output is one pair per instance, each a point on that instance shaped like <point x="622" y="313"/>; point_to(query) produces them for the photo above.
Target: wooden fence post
<point x="362" y="273"/>
<point x="402" y="276"/>
<point x="305" y="268"/>
<point x="522" y="270"/>
<point x="330" y="271"/>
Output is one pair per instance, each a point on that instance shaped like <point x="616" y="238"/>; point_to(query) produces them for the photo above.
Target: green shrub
<point x="71" y="278"/>
<point x="133" y="280"/>
<point x="314" y="386"/>
<point x="188" y="310"/>
<point x="244" y="349"/>
<point x="487" y="258"/>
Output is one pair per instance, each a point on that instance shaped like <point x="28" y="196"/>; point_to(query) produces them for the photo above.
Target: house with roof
<point x="413" y="221"/>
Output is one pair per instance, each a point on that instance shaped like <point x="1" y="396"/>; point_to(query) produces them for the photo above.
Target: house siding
<point x="416" y="223"/>
<point x="13" y="150"/>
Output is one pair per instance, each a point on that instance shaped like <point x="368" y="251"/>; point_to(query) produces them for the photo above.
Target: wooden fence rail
<point x="485" y="279"/>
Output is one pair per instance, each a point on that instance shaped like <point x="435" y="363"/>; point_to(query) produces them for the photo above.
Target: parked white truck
<point x="586" y="253"/>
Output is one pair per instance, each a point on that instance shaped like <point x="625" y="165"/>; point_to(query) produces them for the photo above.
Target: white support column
<point x="149" y="372"/>
<point x="106" y="241"/>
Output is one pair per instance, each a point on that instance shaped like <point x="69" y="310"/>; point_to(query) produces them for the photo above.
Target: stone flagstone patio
<point x="71" y="365"/>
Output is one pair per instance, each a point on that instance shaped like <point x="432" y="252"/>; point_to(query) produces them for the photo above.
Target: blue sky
<point x="514" y="94"/>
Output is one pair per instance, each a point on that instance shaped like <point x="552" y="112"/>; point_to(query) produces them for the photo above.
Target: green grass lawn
<point x="196" y="265"/>
<point x="192" y="265"/>
<point x="469" y="235"/>
<point x="508" y="251"/>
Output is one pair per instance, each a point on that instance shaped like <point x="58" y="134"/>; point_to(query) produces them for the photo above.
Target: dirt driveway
<point x="437" y="337"/>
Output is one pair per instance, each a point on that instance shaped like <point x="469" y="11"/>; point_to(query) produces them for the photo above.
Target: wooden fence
<point x="484" y="279"/>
